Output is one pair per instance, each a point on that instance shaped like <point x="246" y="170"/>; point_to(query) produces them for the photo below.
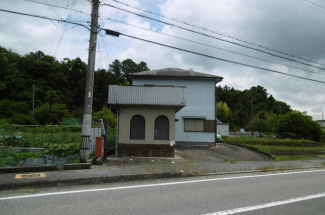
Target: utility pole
<point x="86" y="122"/>
<point x="33" y="100"/>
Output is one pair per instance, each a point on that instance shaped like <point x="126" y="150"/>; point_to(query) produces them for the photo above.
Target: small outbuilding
<point x="222" y="128"/>
<point x="146" y="118"/>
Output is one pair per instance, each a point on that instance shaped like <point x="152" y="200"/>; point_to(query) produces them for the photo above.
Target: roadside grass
<point x="281" y="167"/>
<point x="270" y="141"/>
<point x="263" y="147"/>
<point x="193" y="161"/>
<point x="33" y="191"/>
<point x="227" y="160"/>
<point x="295" y="157"/>
<point x="282" y="149"/>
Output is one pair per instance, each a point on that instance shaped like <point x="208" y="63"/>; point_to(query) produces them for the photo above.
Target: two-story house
<point x="196" y="122"/>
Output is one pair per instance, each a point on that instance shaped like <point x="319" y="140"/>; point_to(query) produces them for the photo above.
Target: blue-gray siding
<point x="200" y="102"/>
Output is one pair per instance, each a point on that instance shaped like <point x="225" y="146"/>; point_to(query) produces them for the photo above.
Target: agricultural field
<point x="42" y="145"/>
<point x="282" y="149"/>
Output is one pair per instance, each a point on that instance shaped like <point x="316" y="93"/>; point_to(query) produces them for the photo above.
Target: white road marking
<point x="267" y="205"/>
<point x="155" y="185"/>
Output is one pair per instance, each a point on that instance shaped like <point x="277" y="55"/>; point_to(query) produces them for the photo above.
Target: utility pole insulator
<point x="88" y="103"/>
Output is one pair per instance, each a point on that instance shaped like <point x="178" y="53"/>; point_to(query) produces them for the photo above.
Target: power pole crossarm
<point x="86" y="123"/>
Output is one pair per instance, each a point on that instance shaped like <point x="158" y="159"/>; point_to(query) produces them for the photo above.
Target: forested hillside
<point x="256" y="110"/>
<point x="240" y="107"/>
<point x="59" y="86"/>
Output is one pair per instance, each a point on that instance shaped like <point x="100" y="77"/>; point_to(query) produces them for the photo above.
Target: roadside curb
<point x="27" y="169"/>
<point x="126" y="178"/>
<point x="90" y="180"/>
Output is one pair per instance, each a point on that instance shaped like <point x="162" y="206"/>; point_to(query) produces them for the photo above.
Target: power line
<point x="211" y="46"/>
<point x="315" y="4"/>
<point x="53" y="9"/>
<point x="107" y="55"/>
<point x="205" y="29"/>
<point x="44" y="17"/>
<point x="57" y="6"/>
<point x="61" y="36"/>
<point x="309" y="6"/>
<point x="217" y="58"/>
<point x="207" y="35"/>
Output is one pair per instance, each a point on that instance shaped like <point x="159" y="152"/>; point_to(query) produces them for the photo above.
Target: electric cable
<point x="211" y="46"/>
<point x="207" y="35"/>
<point x="309" y="6"/>
<point x="44" y="17"/>
<point x="205" y="29"/>
<point x="217" y="58"/>
<point x="315" y="4"/>
<point x="109" y="60"/>
<point x="53" y="5"/>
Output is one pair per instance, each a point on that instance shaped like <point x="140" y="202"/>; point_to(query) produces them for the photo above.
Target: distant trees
<point x="128" y="66"/>
<point x="59" y="86"/>
<point x="245" y="105"/>
<point x="260" y="125"/>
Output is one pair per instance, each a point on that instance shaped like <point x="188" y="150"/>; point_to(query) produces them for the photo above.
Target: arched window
<point x="137" y="128"/>
<point x="161" y="128"/>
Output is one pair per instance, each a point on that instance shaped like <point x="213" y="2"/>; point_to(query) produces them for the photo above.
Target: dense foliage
<point x="298" y="125"/>
<point x="59" y="86"/>
<point x="244" y="105"/>
<point x="256" y="110"/>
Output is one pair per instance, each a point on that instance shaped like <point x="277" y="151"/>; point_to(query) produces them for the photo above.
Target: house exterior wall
<point x="150" y="113"/>
<point x="200" y="101"/>
<point x="223" y="129"/>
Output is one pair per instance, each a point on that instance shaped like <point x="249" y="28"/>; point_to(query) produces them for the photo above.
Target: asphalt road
<point x="270" y="193"/>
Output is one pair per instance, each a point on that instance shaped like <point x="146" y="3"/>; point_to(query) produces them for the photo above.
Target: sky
<point x="294" y="27"/>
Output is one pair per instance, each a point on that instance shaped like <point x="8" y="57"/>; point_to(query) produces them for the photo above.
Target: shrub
<point x="106" y="115"/>
<point x="8" y="158"/>
<point x="42" y="113"/>
<point x="25" y="155"/>
<point x="21" y="119"/>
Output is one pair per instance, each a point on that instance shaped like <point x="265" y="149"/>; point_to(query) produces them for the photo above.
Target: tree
<point x="115" y="68"/>
<point x="257" y="124"/>
<point x="223" y="112"/>
<point x="58" y="112"/>
<point x="106" y="115"/>
<point x="297" y="125"/>
<point x="129" y="66"/>
<point x="21" y="119"/>
<point x="142" y="66"/>
<point x="51" y="98"/>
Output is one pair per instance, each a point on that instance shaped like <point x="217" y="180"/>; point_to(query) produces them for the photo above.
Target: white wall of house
<point x="200" y="102"/>
<point x="223" y="129"/>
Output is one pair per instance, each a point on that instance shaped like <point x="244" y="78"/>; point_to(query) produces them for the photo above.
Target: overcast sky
<point x="291" y="26"/>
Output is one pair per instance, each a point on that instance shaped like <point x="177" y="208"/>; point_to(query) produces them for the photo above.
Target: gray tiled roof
<point x="173" y="72"/>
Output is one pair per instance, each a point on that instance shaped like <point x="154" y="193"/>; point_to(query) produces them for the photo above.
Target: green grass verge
<point x="263" y="147"/>
<point x="271" y="142"/>
<point x="297" y="157"/>
<point x="282" y="150"/>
